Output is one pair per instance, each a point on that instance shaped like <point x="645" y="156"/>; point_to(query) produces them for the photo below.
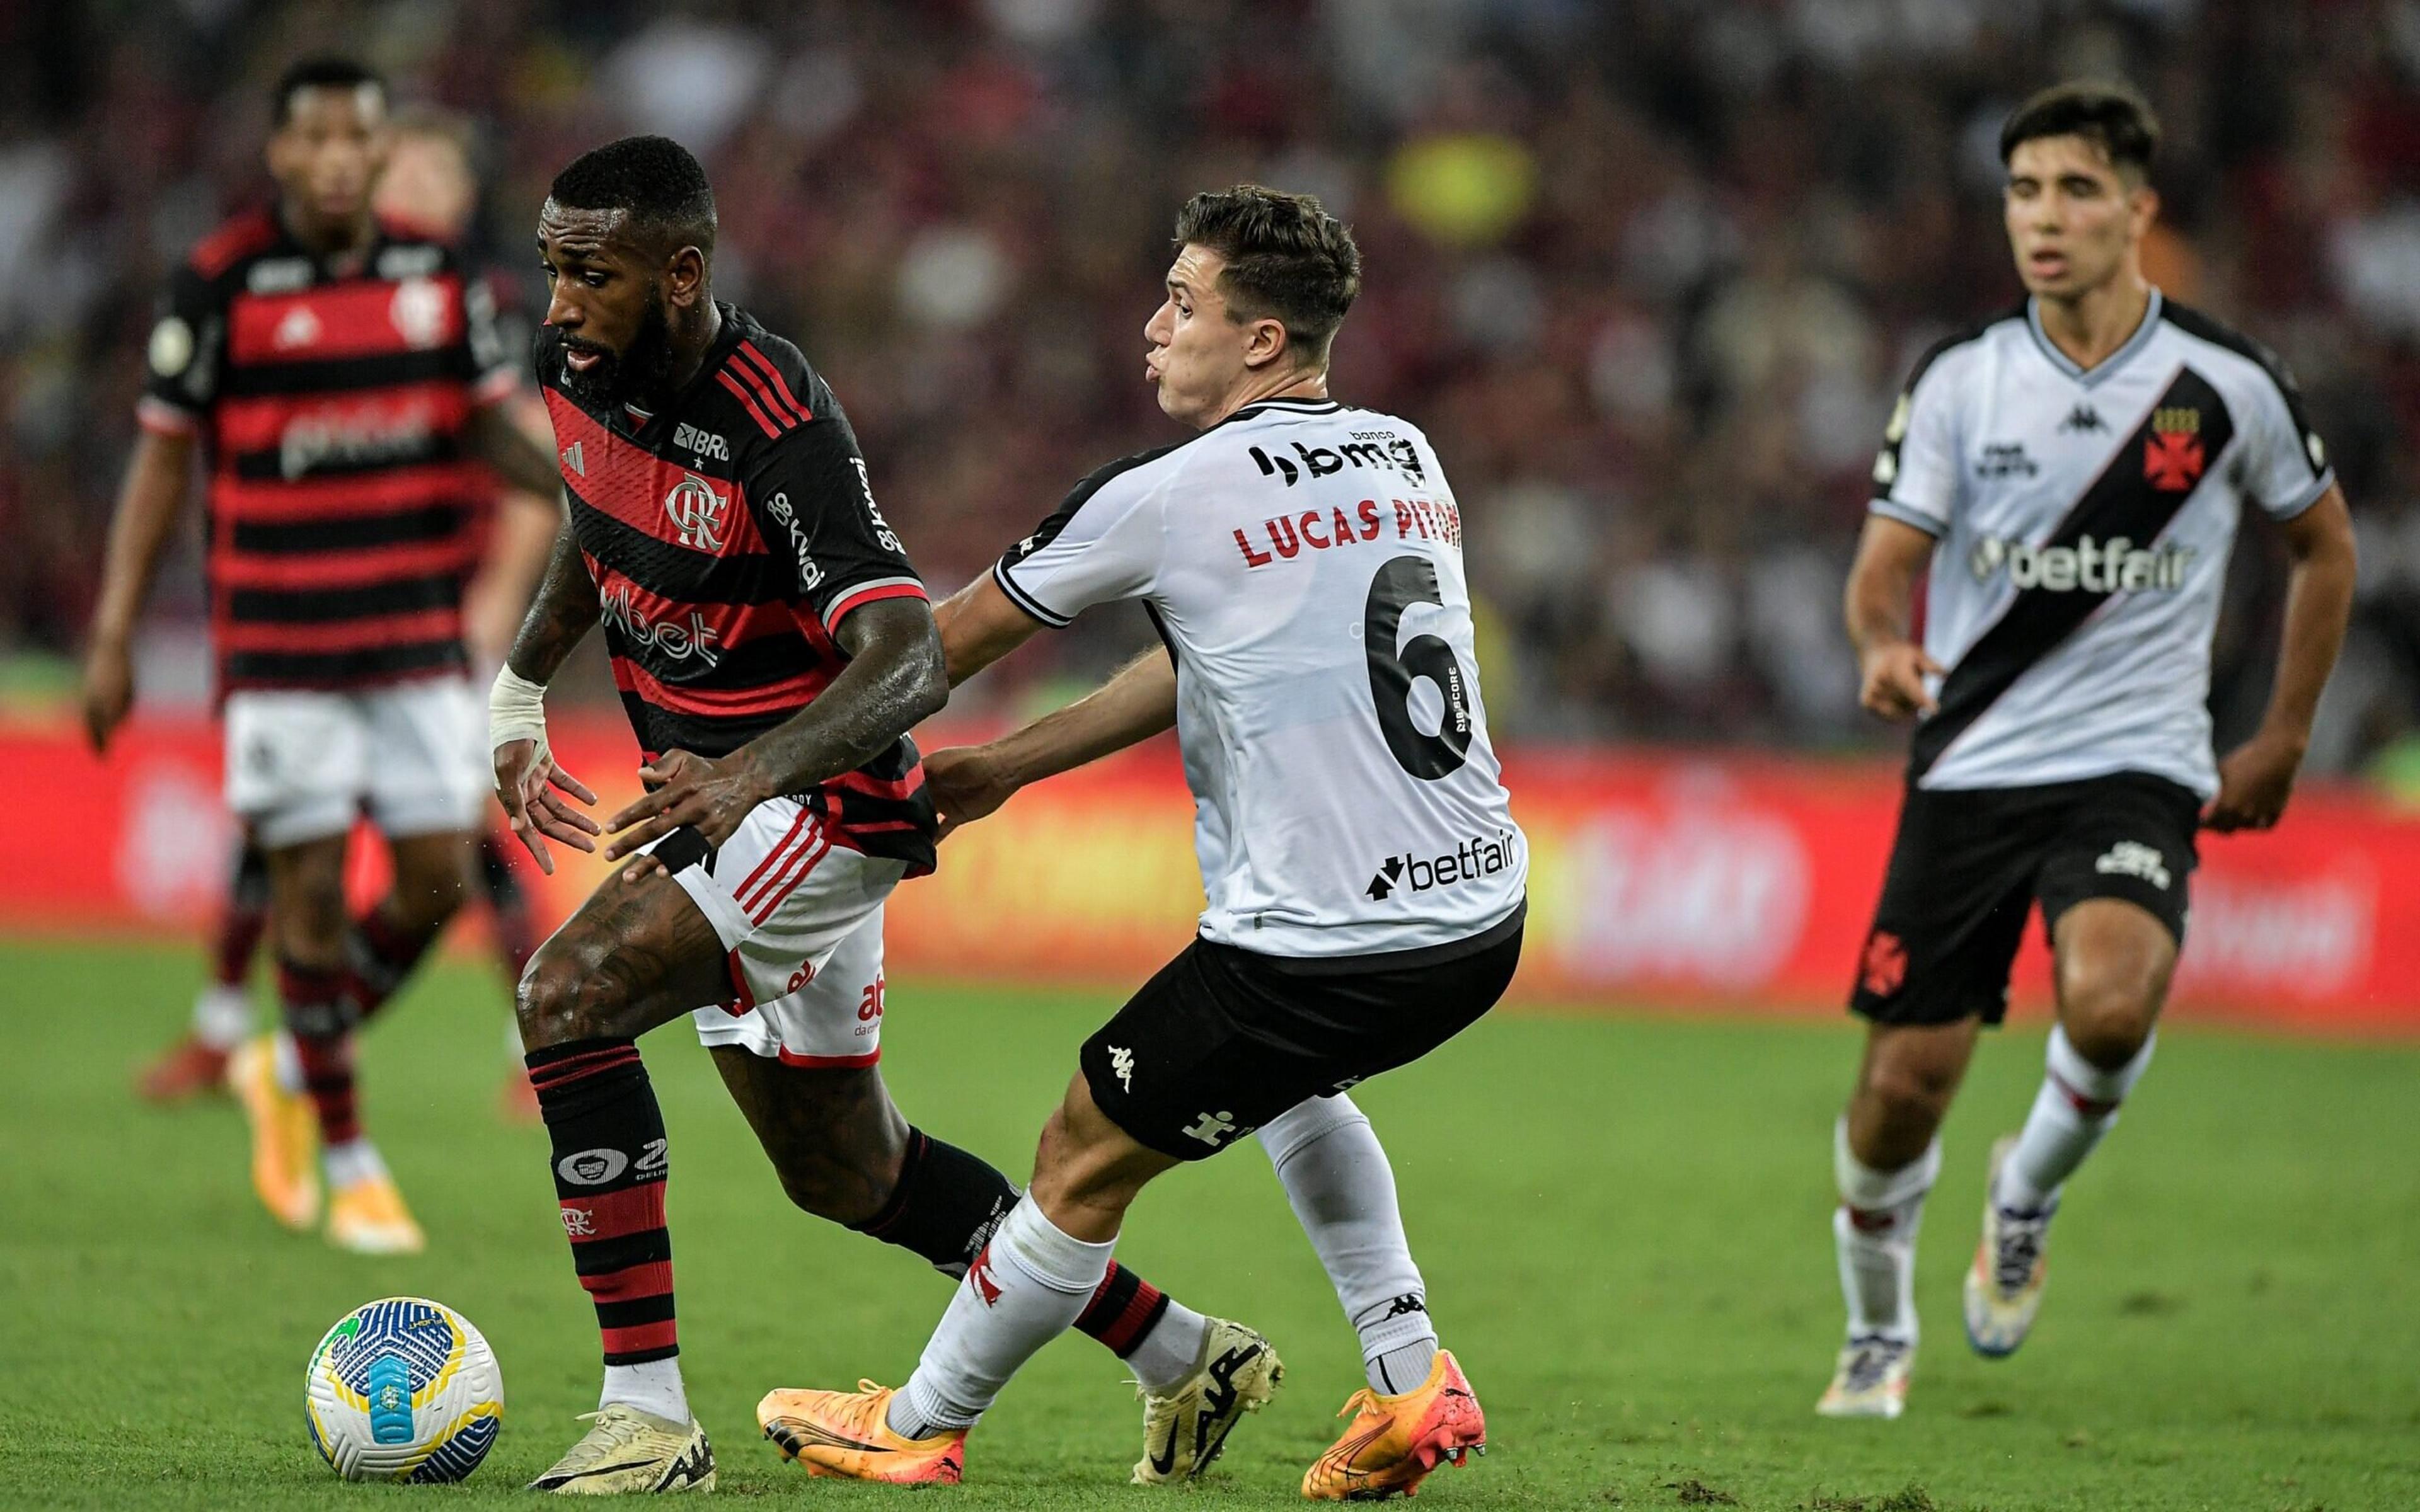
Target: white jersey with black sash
<point x="2084" y="520"/>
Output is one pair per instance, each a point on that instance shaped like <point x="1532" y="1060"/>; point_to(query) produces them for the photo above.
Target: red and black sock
<point x="383" y="954"/>
<point x="313" y="999"/>
<point x="610" y="1165"/>
<point x="1123" y="1310"/>
<point x="244" y="921"/>
<point x="947" y="1205"/>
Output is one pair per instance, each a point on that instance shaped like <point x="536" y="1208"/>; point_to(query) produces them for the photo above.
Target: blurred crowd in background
<point x="1648" y="271"/>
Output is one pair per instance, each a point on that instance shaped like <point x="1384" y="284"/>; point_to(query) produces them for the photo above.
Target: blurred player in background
<point x="2070" y="476"/>
<point x="343" y="381"/>
<point x="428" y="185"/>
<point x="1367" y="886"/>
<point x="773" y="647"/>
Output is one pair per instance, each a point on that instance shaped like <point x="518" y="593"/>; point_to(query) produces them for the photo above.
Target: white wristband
<point x="515" y="711"/>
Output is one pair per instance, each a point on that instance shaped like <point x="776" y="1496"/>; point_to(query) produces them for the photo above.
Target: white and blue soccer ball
<point x="404" y="1389"/>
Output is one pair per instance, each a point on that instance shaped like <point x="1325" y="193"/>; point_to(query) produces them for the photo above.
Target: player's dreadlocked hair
<point x="1287" y="259"/>
<point x="654" y="178"/>
<point x="2112" y="116"/>
<point x="319" y="73"/>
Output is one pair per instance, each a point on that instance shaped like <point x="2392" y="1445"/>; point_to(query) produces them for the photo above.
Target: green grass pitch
<point x="1623" y="1222"/>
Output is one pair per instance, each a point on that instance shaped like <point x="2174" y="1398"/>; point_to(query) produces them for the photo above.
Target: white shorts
<point x="303" y="764"/>
<point x="801" y="919"/>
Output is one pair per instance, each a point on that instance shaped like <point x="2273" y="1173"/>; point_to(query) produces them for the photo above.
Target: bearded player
<point x="773" y="647"/>
<point x="2067" y="479"/>
<point x="341" y="379"/>
<point x="1367" y="886"/>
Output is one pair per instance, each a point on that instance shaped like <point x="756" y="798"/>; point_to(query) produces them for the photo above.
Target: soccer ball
<point x="404" y="1389"/>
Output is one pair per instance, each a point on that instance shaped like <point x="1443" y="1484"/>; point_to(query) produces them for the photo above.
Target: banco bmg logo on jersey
<point x="1367" y="449"/>
<point x="1481" y="856"/>
<point x="2091" y="566"/>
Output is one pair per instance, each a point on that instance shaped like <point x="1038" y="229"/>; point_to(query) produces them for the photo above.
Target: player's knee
<point x="1909" y="1089"/>
<point x="2110" y="1027"/>
<point x="2108" y="1001"/>
<point x="564" y="994"/>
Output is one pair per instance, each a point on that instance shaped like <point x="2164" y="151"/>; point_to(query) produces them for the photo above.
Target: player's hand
<point x="1891" y="679"/>
<point x="966" y="783"/>
<point x="2255" y="780"/>
<point x="532" y="790"/>
<point x="711" y="795"/>
<point x="108" y="690"/>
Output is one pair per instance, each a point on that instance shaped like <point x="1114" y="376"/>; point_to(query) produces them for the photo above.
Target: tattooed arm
<point x="563" y="613"/>
<point x="894" y="678"/>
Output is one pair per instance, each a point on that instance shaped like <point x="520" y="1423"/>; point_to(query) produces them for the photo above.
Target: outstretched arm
<point x="893" y="679"/>
<point x="147" y="504"/>
<point x="2257" y="777"/>
<point x="1138" y="703"/>
<point x="979" y="625"/>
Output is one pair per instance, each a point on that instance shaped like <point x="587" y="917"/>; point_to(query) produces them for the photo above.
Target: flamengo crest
<point x="697" y="512"/>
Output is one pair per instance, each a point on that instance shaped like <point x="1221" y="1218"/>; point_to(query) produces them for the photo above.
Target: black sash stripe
<point x="2121" y="502"/>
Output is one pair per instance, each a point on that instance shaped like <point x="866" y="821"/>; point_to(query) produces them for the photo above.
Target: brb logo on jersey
<point x="697" y="512"/>
<point x="2117" y="565"/>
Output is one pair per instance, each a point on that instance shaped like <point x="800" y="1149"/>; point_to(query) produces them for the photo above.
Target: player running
<point x="427" y="184"/>
<point x="2072" y="473"/>
<point x="343" y="380"/>
<point x="1302" y="562"/>
<point x="773" y="647"/>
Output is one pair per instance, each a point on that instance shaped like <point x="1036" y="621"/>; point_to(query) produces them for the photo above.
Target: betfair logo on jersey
<point x="1478" y="857"/>
<point x="678" y="641"/>
<point x="2117" y="565"/>
<point x="1368" y="448"/>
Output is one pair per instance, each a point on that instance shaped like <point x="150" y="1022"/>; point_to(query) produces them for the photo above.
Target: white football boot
<point x="1184" y="1431"/>
<point x="1871" y="1380"/>
<point x="2004" y="1286"/>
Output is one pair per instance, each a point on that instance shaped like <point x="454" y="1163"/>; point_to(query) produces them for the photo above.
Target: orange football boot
<point x="284" y="1135"/>
<point x="1396" y="1441"/>
<point x="843" y="1434"/>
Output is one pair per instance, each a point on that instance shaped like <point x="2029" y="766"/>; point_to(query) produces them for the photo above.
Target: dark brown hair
<point x="1287" y="260"/>
<point x="2111" y="115"/>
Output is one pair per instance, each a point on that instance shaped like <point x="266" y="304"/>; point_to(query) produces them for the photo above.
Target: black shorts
<point x="1969" y="863"/>
<point x="1222" y="1040"/>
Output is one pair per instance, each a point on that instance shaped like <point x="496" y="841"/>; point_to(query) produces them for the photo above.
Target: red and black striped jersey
<point x="333" y="408"/>
<point x="729" y="532"/>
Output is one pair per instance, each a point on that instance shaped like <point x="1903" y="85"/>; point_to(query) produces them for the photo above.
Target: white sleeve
<point x="1915" y="474"/>
<point x="2285" y="465"/>
<point x="1104" y="542"/>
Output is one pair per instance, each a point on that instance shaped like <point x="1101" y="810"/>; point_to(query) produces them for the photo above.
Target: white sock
<point x="290" y="1062"/>
<point x="350" y="1162"/>
<point x="1873" y="1231"/>
<point x="223" y="1016"/>
<point x="2076" y="1105"/>
<point x="1028" y="1286"/>
<point x="654" y="1388"/>
<point x="1172" y="1351"/>
<point x="1343" y="1191"/>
